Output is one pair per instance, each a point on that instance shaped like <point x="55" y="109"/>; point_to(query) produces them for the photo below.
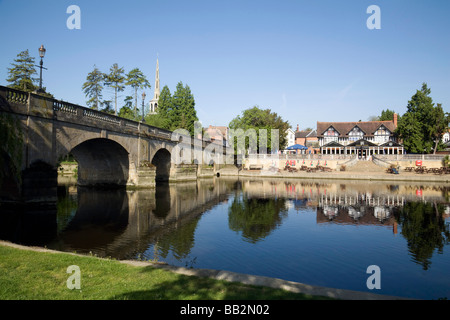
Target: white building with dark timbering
<point x="359" y="138"/>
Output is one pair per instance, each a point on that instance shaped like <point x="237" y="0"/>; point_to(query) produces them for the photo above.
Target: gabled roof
<point x="217" y="131"/>
<point x="306" y="134"/>
<point x="357" y="126"/>
<point x="369" y="127"/>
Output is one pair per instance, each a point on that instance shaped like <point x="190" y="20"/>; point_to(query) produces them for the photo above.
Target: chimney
<point x="298" y="128"/>
<point x="395" y="120"/>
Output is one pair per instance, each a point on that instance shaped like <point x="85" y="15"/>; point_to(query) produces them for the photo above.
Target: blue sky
<point x="308" y="61"/>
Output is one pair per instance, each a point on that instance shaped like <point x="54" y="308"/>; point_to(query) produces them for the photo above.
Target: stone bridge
<point x="109" y="150"/>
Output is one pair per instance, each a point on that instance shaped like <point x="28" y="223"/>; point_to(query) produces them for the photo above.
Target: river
<point x="325" y="233"/>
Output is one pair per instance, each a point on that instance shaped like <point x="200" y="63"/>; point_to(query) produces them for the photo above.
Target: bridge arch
<point x="162" y="161"/>
<point x="101" y="162"/>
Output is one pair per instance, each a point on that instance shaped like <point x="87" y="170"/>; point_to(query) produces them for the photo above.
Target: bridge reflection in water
<point x="120" y="223"/>
<point x="124" y="223"/>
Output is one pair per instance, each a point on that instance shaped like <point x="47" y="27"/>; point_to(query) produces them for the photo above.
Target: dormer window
<point x="356" y="134"/>
<point x="382" y="135"/>
<point x="331" y="132"/>
<point x="330" y="135"/>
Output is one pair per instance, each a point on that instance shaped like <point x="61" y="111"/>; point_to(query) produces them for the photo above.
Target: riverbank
<point x="379" y="175"/>
<point x="31" y="273"/>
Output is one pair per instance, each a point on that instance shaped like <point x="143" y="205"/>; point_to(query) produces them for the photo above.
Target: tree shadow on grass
<point x="198" y="288"/>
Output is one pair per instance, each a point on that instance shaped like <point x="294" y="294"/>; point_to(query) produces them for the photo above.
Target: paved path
<point x="270" y="282"/>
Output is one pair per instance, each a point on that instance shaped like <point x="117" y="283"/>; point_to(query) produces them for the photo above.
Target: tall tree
<point x="386" y="115"/>
<point x="260" y="119"/>
<point x="137" y="80"/>
<point x="177" y="103"/>
<point x="175" y="111"/>
<point x="127" y="110"/>
<point x="417" y="127"/>
<point x="164" y="116"/>
<point x="184" y="113"/>
<point x="440" y="121"/>
<point x="115" y="80"/>
<point x="20" y="76"/>
<point x="93" y="87"/>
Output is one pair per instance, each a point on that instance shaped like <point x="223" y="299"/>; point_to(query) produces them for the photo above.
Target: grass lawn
<point x="31" y="275"/>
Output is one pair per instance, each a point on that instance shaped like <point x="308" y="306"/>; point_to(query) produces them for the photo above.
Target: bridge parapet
<point x="26" y="103"/>
<point x="64" y="107"/>
<point x="15" y="96"/>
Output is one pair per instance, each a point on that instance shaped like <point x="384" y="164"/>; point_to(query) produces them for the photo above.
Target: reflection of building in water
<point x="350" y="202"/>
<point x="357" y="215"/>
<point x="362" y="199"/>
<point x="358" y="209"/>
<point x="382" y="213"/>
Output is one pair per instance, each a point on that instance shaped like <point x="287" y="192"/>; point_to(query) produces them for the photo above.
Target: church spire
<point x="157" y="90"/>
<point x="154" y="102"/>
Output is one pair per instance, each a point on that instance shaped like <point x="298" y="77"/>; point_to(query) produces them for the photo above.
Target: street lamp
<point x="143" y="98"/>
<point x="41" y="54"/>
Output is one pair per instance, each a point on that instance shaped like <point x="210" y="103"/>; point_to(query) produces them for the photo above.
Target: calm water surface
<point x="314" y="232"/>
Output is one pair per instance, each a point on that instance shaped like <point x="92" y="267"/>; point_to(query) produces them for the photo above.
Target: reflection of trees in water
<point x="179" y="241"/>
<point x="446" y="193"/>
<point x="425" y="230"/>
<point x="256" y="218"/>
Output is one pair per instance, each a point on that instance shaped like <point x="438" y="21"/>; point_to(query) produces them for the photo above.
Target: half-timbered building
<point x="359" y="138"/>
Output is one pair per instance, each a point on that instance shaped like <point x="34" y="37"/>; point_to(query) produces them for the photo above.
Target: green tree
<point x="165" y="104"/>
<point x="183" y="114"/>
<point x="137" y="80"/>
<point x="115" y="80"/>
<point x="163" y="117"/>
<point x="107" y="107"/>
<point x="254" y="218"/>
<point x="255" y="120"/>
<point x="93" y="87"/>
<point x="20" y="76"/>
<point x="387" y="115"/>
<point x="424" y="228"/>
<point x="126" y="111"/>
<point x="416" y="127"/>
<point x="440" y="121"/>
<point x="175" y="111"/>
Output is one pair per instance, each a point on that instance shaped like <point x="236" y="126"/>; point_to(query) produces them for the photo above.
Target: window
<point x="446" y="137"/>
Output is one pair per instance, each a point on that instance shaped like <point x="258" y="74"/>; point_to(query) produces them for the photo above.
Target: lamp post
<point x="41" y="54"/>
<point x="143" y="98"/>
